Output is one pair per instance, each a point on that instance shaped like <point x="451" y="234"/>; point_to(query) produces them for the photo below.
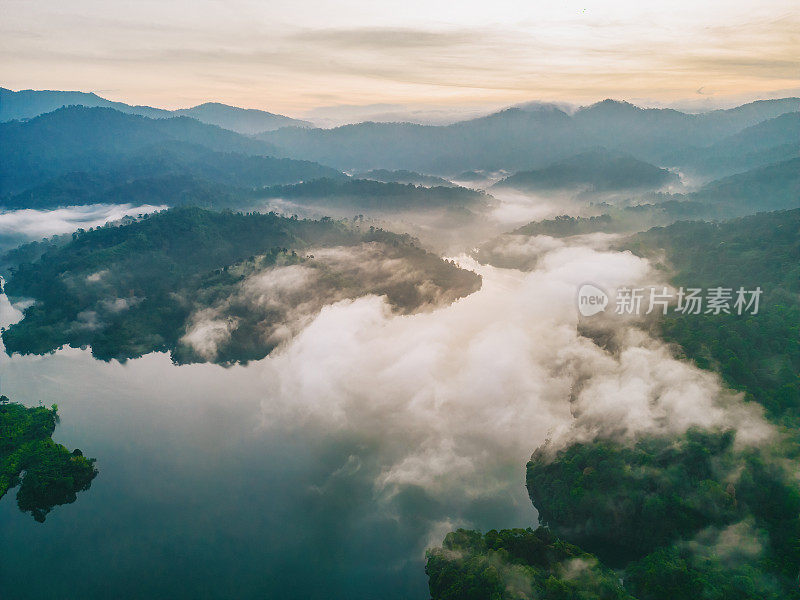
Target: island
<point x="48" y="474"/>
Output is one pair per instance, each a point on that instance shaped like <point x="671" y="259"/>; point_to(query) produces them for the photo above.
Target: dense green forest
<point x="403" y="176"/>
<point x="759" y="354"/>
<point x="368" y="194"/>
<point x="171" y="173"/>
<point x="77" y="138"/>
<point x="79" y="156"/>
<point x="647" y="508"/>
<point x="696" y="516"/>
<point x="47" y="473"/>
<point x="690" y="517"/>
<point x="639" y="507"/>
<point x="517" y="563"/>
<point x="133" y="289"/>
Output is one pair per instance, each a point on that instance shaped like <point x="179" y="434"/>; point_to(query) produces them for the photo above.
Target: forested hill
<point x="596" y="171"/>
<point x="376" y="195"/>
<point x="47" y="473"/>
<point x="172" y="173"/>
<point x="80" y="139"/>
<point x="761" y="353"/>
<point x="656" y="507"/>
<point x="771" y="187"/>
<point x="211" y="286"/>
<point x="770" y="141"/>
<point x="693" y="515"/>
<point x="80" y="155"/>
<point x="403" y="176"/>
<point x="517" y="564"/>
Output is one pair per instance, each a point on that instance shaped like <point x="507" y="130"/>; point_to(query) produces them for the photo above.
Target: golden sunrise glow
<point x="290" y="57"/>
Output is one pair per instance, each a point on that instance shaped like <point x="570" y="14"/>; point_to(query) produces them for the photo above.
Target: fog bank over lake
<point x="326" y="469"/>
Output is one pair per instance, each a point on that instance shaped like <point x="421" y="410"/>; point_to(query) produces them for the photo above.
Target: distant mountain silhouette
<point x="27" y="104"/>
<point x="242" y="120"/>
<point x="771" y="187"/>
<point x="595" y="171"/>
<point x="75" y="155"/>
<point x="518" y="139"/>
<point x="79" y="139"/>
<point x="771" y="141"/>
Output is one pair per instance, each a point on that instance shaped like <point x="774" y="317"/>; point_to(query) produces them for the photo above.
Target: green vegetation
<point x="403" y="176"/>
<point x="517" y="563"/>
<point x="97" y="139"/>
<point x="565" y="225"/>
<point x="47" y="474"/>
<point x="367" y="194"/>
<point x="162" y="161"/>
<point x="680" y="572"/>
<point x="674" y="513"/>
<point x="503" y="250"/>
<point x="133" y="289"/>
<point x="623" y="502"/>
<point x="771" y="187"/>
<point x="758" y="354"/>
<point x="695" y="515"/>
<point x="626" y="219"/>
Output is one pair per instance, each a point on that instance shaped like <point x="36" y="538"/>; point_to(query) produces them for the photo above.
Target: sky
<point x="294" y="56"/>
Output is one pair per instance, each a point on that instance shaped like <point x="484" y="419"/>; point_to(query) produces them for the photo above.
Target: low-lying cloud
<point x="18" y="226"/>
<point x="455" y="400"/>
<point x="369" y="434"/>
<point x="276" y="303"/>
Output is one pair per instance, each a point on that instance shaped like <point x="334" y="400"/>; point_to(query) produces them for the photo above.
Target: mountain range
<point x="746" y="156"/>
<point x="108" y="144"/>
<point x="27" y="104"/>
<point x="522" y="139"/>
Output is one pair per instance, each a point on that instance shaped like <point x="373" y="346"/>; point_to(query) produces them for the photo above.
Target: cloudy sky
<point x="290" y="56"/>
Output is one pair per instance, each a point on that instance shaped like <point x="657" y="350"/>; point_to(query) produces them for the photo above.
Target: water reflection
<point x="198" y="498"/>
<point x="41" y="473"/>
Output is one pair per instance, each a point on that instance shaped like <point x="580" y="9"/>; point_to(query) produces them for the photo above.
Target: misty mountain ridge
<point x="110" y="145"/>
<point x="593" y="171"/>
<point x="768" y="188"/>
<point x="247" y="121"/>
<point x="404" y="176"/>
<point x="152" y="285"/>
<point x="190" y="174"/>
<point x="27" y="104"/>
<point x="774" y="140"/>
<point x="518" y="139"/>
<point x="43" y="158"/>
<point x="366" y="194"/>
